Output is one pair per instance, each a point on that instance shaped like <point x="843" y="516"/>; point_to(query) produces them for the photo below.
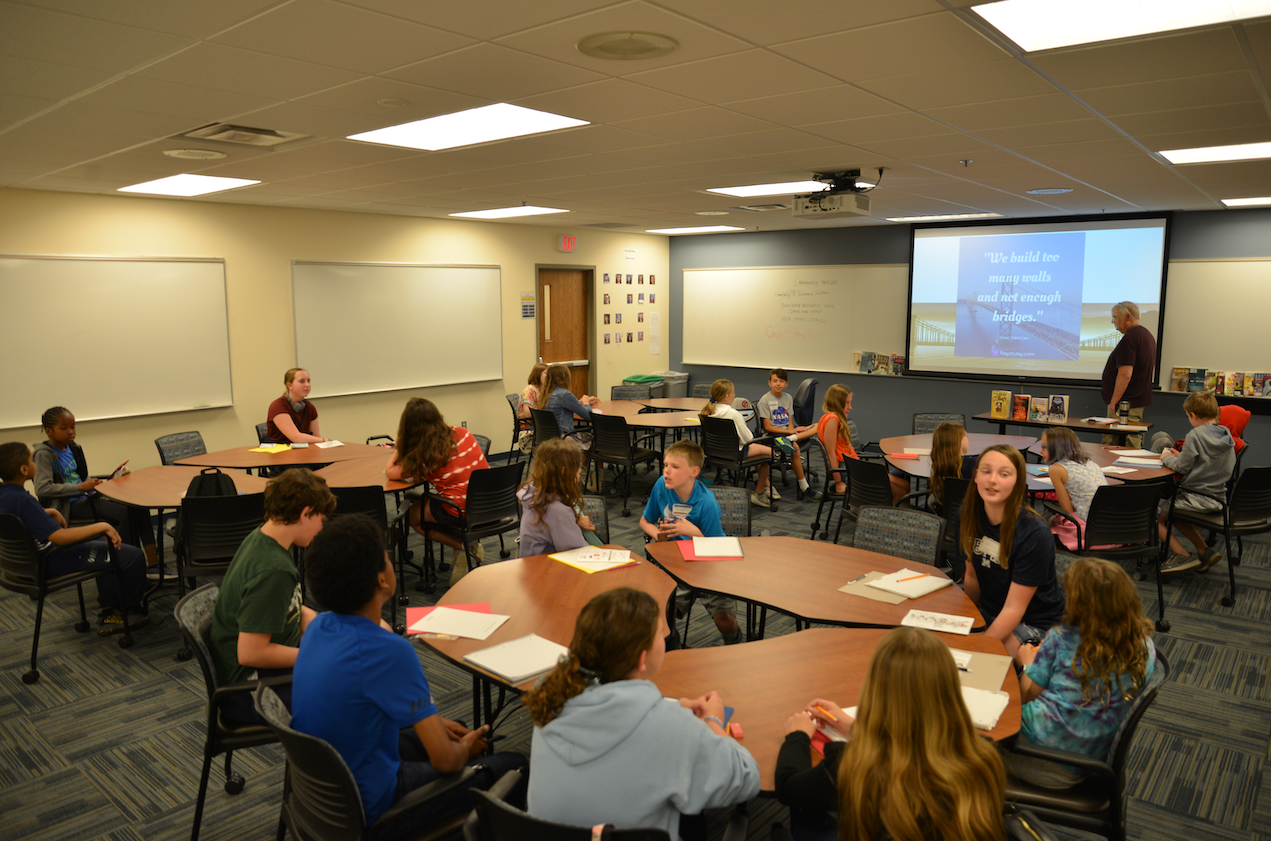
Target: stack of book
<point x="1221" y="383"/>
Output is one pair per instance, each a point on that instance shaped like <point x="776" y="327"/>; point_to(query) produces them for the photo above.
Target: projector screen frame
<point x="1022" y="378"/>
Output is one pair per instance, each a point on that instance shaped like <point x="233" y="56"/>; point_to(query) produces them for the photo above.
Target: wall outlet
<point x="464" y="424"/>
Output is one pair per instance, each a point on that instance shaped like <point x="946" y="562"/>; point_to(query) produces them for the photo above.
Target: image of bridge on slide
<point x="1004" y="327"/>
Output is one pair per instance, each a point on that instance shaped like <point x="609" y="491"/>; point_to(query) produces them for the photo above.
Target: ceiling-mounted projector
<point x="843" y="196"/>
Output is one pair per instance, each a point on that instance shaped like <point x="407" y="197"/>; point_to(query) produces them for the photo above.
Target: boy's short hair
<point x="779" y="373"/>
<point x="287" y="496"/>
<point x="1202" y="404"/>
<point x="13" y="456"/>
<point x="344" y="561"/>
<point x="688" y="450"/>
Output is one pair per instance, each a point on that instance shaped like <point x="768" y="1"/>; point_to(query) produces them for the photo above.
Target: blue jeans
<point x="416" y="771"/>
<point x="124" y="594"/>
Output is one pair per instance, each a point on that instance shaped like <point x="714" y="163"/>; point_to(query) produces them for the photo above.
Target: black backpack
<point x="209" y="482"/>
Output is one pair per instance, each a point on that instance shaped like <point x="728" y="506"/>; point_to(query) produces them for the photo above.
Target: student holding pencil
<point x="608" y="748"/>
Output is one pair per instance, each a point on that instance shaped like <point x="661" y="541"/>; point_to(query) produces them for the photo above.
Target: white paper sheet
<point x="460" y="623"/>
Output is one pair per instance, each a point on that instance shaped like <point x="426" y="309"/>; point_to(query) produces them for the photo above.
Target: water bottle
<point x="1123" y="411"/>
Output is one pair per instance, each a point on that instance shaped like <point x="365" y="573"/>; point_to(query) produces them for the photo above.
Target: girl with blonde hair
<point x="915" y="769"/>
<point x="720" y="405"/>
<point x="607" y="748"/>
<point x="833" y="431"/>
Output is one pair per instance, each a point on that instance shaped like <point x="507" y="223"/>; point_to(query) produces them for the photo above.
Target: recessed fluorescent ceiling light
<point x="506" y="212"/>
<point x="1048" y="24"/>
<point x="786" y="188"/>
<point x="465" y="128"/>
<point x="1247" y="202"/>
<point x="1218" y="154"/>
<point x="187" y="185"/>
<point x="944" y="218"/>
<point x="704" y="229"/>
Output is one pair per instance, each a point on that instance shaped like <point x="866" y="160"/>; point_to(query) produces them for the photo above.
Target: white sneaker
<point x="1179" y="563"/>
<point x="772" y="493"/>
<point x="761" y="501"/>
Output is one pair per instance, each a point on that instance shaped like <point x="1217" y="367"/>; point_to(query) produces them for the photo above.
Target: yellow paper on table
<point x="270" y="448"/>
<point x="591" y="559"/>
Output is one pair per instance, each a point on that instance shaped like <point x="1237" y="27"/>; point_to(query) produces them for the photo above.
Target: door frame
<point x="590" y="327"/>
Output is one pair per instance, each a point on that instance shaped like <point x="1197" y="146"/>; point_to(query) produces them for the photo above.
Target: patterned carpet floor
<point x="108" y="744"/>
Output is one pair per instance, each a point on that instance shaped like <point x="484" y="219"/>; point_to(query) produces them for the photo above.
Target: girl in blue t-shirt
<point x="62" y="482"/>
<point x="1078" y="684"/>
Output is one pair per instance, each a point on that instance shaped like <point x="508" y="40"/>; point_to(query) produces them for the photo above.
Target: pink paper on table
<point x="414" y="614"/>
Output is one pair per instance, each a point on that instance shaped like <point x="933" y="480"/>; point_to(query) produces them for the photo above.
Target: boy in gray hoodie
<point x="1205" y="464"/>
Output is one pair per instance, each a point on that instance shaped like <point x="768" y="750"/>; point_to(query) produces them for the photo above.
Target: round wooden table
<point x="1106" y="456"/>
<point x="242" y="458"/>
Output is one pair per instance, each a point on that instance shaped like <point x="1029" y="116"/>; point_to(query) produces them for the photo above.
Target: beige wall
<point x="258" y="245"/>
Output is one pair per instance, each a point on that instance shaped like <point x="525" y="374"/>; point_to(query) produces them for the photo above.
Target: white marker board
<point x="808" y="318"/>
<point x="112" y="337"/>
<point x="1215" y="316"/>
<point x="366" y="327"/>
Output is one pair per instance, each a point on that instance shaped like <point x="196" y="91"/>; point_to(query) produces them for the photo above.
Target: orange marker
<point x="911" y="578"/>
<point x="827" y="714"/>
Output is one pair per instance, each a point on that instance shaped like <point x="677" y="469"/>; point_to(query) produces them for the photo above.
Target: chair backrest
<point x="701" y="390"/>
<point x="367" y="500"/>
<point x="1251" y="497"/>
<point x="321" y="798"/>
<point x="900" y="532"/>
<point x="213" y="527"/>
<point x="720" y="441"/>
<point x="492" y="494"/>
<point x="497" y="821"/>
<point x="631" y="391"/>
<point x="867" y="484"/>
<point x="734" y="510"/>
<point x="19" y="561"/>
<point x="611" y="438"/>
<point x="745" y="408"/>
<point x="544" y="425"/>
<point x="928" y="421"/>
<point x="594" y="507"/>
<point x="194" y="616"/>
<point x="954" y="495"/>
<point x="805" y="408"/>
<point x="1124" y="513"/>
<point x="484" y="443"/>
<point x="179" y="445"/>
<point x="1122" y="741"/>
<point x="262" y="433"/>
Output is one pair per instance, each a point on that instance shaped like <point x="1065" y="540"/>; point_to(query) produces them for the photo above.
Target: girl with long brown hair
<point x="1077" y="686"/>
<point x="833" y="431"/>
<point x="551" y="498"/>
<point x="720" y="405"/>
<point x="607" y="748"/>
<point x="1010" y="570"/>
<point x="1076" y="479"/>
<point x="915" y="769"/>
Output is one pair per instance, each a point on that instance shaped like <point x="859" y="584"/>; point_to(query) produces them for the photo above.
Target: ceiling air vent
<point x="763" y="208"/>
<point x="243" y="135"/>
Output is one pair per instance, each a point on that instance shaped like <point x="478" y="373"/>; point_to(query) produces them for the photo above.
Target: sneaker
<point x="475" y="553"/>
<point x="738" y="637"/>
<point x="1208" y="559"/>
<point x="156" y="571"/>
<point x="784" y="445"/>
<point x="1179" y="563"/>
<point x="761" y="501"/>
<point x="772" y="493"/>
<point x="112" y="622"/>
<point x="813" y="494"/>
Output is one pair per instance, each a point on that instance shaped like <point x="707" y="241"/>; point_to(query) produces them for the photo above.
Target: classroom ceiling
<point x="93" y="91"/>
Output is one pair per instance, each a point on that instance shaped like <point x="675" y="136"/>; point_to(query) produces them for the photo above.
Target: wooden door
<point x="564" y="329"/>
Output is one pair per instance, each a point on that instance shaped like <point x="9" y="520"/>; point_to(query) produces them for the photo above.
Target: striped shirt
<point x="451" y="479"/>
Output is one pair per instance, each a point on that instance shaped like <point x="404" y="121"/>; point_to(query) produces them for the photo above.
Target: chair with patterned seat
<point x="701" y="391"/>
<point x="734" y="518"/>
<point x="926" y="422"/>
<point x="179" y="445"/>
<point x="594" y="509"/>
<point x="900" y="532"/>
<point x="629" y="391"/>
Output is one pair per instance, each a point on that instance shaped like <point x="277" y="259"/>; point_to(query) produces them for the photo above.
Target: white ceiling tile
<point x="956" y="146"/>
<point x="1008" y="112"/>
<point x="193" y="20"/>
<point x="483" y="19"/>
<point x="886" y="127"/>
<point x="923" y="44"/>
<point x="760" y="22"/>
<point x="363" y="97"/>
<point x="29" y="77"/>
<point x="317" y="31"/>
<point x="1211" y="117"/>
<point x="961" y="85"/>
<point x="695" y="124"/>
<point x="735" y="76"/>
<point x="598" y="138"/>
<point x="203" y="105"/>
<point x="815" y="106"/>
<point x="43" y="34"/>
<point x="493" y="72"/>
<point x="1167" y="57"/>
<point x="1166" y="94"/>
<point x="14" y="107"/>
<point x="825" y="159"/>
<point x="608" y="101"/>
<point x="243" y="71"/>
<point x="1065" y="132"/>
<point x="301" y="118"/>
<point x="769" y="141"/>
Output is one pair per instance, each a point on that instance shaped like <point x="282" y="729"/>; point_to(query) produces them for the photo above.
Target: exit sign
<point x="566" y="243"/>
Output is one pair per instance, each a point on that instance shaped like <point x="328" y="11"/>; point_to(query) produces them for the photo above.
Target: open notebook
<point x="520" y="659"/>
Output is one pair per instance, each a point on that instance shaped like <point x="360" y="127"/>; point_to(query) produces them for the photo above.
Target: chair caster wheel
<point x="626" y="512"/>
<point x="1162" y="626"/>
<point x="234" y="784"/>
<point x="772" y="507"/>
<point x="126" y="641"/>
<point x="400" y="629"/>
<point x="82" y="627"/>
<point x="30" y="677"/>
<point x="185" y="654"/>
<point x="1138" y="576"/>
<point x="825" y="535"/>
<point x="403" y="599"/>
<point x="422" y="586"/>
<point x="504" y="554"/>
<point x="1228" y="601"/>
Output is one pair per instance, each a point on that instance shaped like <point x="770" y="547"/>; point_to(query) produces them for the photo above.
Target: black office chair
<point x="611" y="445"/>
<point x="22" y="571"/>
<point x="1122" y="517"/>
<point x="262" y="433"/>
<point x="806" y="411"/>
<point x="519" y="425"/>
<point x="951" y="509"/>
<point x="722" y="446"/>
<point x="544" y="425"/>
<point x="1098" y="804"/>
<point x="212" y="529"/>
<point x="179" y="445"/>
<point x="194" y="618"/>
<point x="492" y="508"/>
<point x="320" y="797"/>
<point x="369" y="500"/>
<point x="867" y="484"/>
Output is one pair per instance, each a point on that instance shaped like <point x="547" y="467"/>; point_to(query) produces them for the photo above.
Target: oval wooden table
<point x="674" y="404"/>
<point x="1106" y="456"/>
<point x="801" y="578"/>
<point x="242" y="458"/>
<point x="921" y="466"/>
<point x="768" y="680"/>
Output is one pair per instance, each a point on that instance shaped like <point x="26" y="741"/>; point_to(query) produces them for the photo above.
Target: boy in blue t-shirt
<point x="681" y="508"/>
<point x="360" y="687"/>
<point x="65" y="550"/>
